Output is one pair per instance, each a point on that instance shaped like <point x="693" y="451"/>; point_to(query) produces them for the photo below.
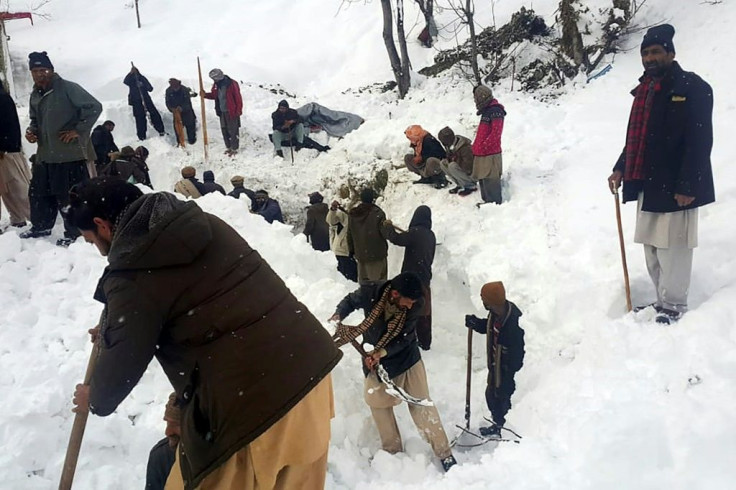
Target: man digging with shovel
<point x="391" y="312"/>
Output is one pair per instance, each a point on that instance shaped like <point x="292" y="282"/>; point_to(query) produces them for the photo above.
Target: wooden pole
<point x="468" y="378"/>
<point x="205" y="142"/>
<point x="137" y="14"/>
<point x="623" y="252"/>
<point x="179" y="128"/>
<point x="75" y="439"/>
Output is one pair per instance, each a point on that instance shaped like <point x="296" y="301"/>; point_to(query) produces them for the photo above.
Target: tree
<point x="465" y="11"/>
<point x="400" y="64"/>
<point x="430" y="30"/>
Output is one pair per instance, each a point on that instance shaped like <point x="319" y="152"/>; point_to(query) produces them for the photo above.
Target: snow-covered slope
<point x="605" y="400"/>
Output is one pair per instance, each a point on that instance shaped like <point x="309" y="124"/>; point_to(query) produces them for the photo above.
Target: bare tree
<point x="400" y="65"/>
<point x="465" y="11"/>
<point x="430" y="30"/>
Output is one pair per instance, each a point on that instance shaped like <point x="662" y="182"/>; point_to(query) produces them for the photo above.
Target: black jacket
<point x="240" y="190"/>
<point x="316" y="227"/>
<point x="420" y="244"/>
<point x="209" y="185"/>
<point x="280" y="118"/>
<point x="9" y="125"/>
<point x="179" y="98"/>
<point x="678" y="145"/>
<point x="511" y="340"/>
<point x="160" y="460"/>
<point x="403" y="351"/>
<point x="270" y="210"/>
<point x="138" y="88"/>
<point x="432" y="148"/>
<point x="104" y="144"/>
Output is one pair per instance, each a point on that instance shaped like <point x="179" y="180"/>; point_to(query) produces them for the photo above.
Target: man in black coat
<point x="178" y="98"/>
<point x="420" y="244"/>
<point x="209" y="183"/>
<point x="287" y="126"/>
<point x="238" y="182"/>
<point x="139" y="98"/>
<point x="104" y="143"/>
<point x="505" y="350"/>
<point x="666" y="167"/>
<point x="391" y="310"/>
<point x="316" y="228"/>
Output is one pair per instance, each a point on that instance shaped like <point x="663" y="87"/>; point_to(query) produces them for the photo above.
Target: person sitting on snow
<point x="238" y="182"/>
<point x="189" y="186"/>
<point x="505" y="350"/>
<point x="425" y="160"/>
<point x="287" y="126"/>
<point x="209" y="183"/>
<point x="458" y="165"/>
<point x="266" y="207"/>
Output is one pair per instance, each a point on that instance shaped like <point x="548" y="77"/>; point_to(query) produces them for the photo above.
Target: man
<point x="209" y="183"/>
<point x="337" y="218"/>
<point x="62" y="115"/>
<point x="316" y="228"/>
<point x="189" y="185"/>
<point x="14" y="173"/>
<point x="238" y="182"/>
<point x="178" y="100"/>
<point x="266" y="207"/>
<point x="139" y="98"/>
<point x="163" y="454"/>
<point x="228" y="107"/>
<point x="425" y="161"/>
<point x="366" y="239"/>
<point x="140" y="157"/>
<point x="183" y="286"/>
<point x="665" y="167"/>
<point x="390" y="309"/>
<point x="458" y="165"/>
<point x="420" y="244"/>
<point x="487" y="162"/>
<point x="104" y="143"/>
<point x="287" y="126"/>
<point x="123" y="167"/>
<point x="504" y="348"/>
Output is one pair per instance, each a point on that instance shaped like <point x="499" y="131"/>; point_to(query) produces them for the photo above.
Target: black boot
<point x="448" y="463"/>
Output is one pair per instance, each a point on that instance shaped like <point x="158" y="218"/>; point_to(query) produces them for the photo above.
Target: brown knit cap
<point x="483" y="96"/>
<point x="188" y="172"/>
<point x="493" y="293"/>
<point x="446" y="136"/>
<point x="172" y="413"/>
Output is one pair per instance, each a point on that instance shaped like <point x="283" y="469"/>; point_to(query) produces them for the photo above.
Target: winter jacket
<point x="181" y="98"/>
<point x="366" y="239"/>
<point x="209" y="185"/>
<point x="104" y="144"/>
<point x="678" y="145"/>
<point x="143" y="168"/>
<point x="64" y="106"/>
<point x="511" y="340"/>
<point x="488" y="137"/>
<point x="420" y="244"/>
<point x="403" y="351"/>
<point x="138" y="89"/>
<point x="280" y="118"/>
<point x="432" y="148"/>
<point x="190" y="187"/>
<point x="125" y="169"/>
<point x="9" y="125"/>
<point x="270" y="210"/>
<point x="338" y="221"/>
<point x="316" y="227"/>
<point x="239" y="349"/>
<point x="461" y="152"/>
<point x="232" y="95"/>
<point x="160" y="460"/>
<point x="240" y="190"/>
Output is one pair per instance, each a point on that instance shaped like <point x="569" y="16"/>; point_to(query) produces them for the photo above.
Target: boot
<point x="448" y="463"/>
<point x="490" y="431"/>
<point x="280" y="153"/>
<point x="35" y="233"/>
<point x="668" y="317"/>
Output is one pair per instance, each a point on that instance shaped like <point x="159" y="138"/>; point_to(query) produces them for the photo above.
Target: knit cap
<point x="39" y="60"/>
<point x="662" y="35"/>
<point x="483" y="96"/>
<point x="493" y="293"/>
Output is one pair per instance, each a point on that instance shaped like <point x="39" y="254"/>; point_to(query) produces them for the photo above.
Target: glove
<point x="472" y="321"/>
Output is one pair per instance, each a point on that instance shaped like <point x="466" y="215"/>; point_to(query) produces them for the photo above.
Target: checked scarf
<point x="636" y="134"/>
<point x="346" y="334"/>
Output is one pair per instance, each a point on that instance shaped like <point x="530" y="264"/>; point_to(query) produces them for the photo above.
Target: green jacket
<point x="64" y="106"/>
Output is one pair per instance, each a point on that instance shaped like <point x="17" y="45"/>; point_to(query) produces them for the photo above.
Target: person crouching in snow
<point x="392" y="309"/>
<point x="505" y="349"/>
<point x="425" y="160"/>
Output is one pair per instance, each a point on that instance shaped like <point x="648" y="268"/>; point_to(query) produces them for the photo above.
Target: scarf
<point x="346" y="334"/>
<point x="416" y="135"/>
<point x="636" y="134"/>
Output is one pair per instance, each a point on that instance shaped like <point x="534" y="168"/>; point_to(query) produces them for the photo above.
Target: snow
<point x="606" y="400"/>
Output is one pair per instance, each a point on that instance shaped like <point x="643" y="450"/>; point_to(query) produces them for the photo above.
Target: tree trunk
<point x="399" y="65"/>
<point x="405" y="79"/>
<point x="427" y="8"/>
<point x="572" y="40"/>
<point x="469" y="12"/>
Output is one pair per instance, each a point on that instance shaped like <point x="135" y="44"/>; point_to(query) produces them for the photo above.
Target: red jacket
<point x="234" y="100"/>
<point x="488" y="137"/>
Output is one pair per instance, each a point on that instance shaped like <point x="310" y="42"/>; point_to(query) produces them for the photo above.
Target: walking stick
<point x="205" y="142"/>
<point x="75" y="439"/>
<point x="291" y="145"/>
<point x="468" y="377"/>
<point x="623" y="252"/>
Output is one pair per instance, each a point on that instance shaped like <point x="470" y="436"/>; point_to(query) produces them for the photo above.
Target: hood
<point x="159" y="230"/>
<point x="361" y="211"/>
<point x="459" y="142"/>
<point x="422" y="218"/>
<point x="208" y="176"/>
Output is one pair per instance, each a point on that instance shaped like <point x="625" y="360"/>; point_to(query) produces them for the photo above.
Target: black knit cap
<point x="662" y="35"/>
<point x="367" y="195"/>
<point x="408" y="285"/>
<point x="283" y="103"/>
<point x="39" y="60"/>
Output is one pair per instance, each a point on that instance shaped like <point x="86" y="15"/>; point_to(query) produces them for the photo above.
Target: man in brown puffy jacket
<point x="255" y="404"/>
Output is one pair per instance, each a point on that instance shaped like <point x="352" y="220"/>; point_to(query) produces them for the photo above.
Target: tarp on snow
<point x="335" y="123"/>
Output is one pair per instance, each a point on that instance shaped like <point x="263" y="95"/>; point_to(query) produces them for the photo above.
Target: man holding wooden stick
<point x="665" y="167"/>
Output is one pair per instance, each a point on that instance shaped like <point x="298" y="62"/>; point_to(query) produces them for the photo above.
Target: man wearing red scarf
<point x="665" y="167"/>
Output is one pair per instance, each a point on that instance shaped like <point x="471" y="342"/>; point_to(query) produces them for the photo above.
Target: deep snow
<point x="605" y="399"/>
